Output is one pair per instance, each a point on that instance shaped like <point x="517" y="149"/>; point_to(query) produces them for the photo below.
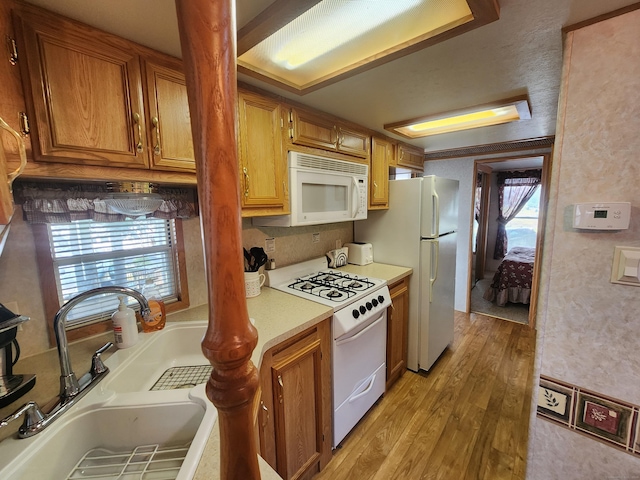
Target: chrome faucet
<point x="71" y="389"/>
<point x="69" y="384"/>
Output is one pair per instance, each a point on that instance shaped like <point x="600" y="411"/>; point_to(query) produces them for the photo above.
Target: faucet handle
<point x="32" y="417"/>
<point x="97" y="365"/>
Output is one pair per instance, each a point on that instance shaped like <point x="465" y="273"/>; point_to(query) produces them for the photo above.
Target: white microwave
<point x="322" y="190"/>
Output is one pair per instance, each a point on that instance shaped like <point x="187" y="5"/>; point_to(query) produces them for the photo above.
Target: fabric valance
<point x="63" y="202"/>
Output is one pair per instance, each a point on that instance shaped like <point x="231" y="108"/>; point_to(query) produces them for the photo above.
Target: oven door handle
<point x="342" y="341"/>
<point x="372" y="381"/>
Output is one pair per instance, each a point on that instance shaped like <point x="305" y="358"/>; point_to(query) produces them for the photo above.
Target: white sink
<point x="138" y="368"/>
<point x="120" y="420"/>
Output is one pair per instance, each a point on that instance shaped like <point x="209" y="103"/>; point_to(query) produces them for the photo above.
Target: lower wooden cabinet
<point x="294" y="414"/>
<point x="397" y="325"/>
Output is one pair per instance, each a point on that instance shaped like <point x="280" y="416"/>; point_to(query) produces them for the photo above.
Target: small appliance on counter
<point x="12" y="386"/>
<point x="360" y="253"/>
<point x="338" y="257"/>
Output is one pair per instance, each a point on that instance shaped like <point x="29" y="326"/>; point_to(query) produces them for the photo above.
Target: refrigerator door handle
<point x="436" y="216"/>
<point x="433" y="278"/>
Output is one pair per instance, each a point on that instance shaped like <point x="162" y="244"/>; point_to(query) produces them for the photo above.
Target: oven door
<point x="359" y="372"/>
<point x="319" y="197"/>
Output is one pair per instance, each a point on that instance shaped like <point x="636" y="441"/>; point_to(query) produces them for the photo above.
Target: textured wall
<point x="588" y="327"/>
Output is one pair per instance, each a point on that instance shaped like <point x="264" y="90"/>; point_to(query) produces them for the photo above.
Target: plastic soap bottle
<point x="125" y="329"/>
<point x="157" y="319"/>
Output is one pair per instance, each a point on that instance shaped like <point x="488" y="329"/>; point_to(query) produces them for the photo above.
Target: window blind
<point x="89" y="254"/>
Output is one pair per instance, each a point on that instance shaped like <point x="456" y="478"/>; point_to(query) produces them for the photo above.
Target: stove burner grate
<point x="334" y="286"/>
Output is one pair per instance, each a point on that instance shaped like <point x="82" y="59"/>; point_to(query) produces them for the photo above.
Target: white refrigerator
<point x="419" y="231"/>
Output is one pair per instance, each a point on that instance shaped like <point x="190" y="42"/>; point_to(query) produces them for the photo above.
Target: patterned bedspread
<point x="512" y="281"/>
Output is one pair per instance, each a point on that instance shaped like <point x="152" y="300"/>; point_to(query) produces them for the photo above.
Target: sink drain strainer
<point x="183" y="377"/>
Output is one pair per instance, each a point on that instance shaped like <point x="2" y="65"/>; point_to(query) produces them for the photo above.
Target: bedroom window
<point x="522" y="231"/>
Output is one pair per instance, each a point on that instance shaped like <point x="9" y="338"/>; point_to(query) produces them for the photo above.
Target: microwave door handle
<point x="355" y="197"/>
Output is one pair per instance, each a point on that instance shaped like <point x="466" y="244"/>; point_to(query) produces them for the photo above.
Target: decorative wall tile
<point x="613" y="422"/>
<point x="606" y="419"/>
<point x="555" y="401"/>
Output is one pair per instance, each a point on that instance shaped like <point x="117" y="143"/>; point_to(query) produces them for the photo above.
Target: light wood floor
<point x="465" y="419"/>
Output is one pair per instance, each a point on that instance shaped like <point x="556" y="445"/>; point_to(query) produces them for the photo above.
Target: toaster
<point x="360" y="253"/>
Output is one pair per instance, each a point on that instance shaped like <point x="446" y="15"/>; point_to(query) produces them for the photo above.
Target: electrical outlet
<point x="269" y="245"/>
<point x="315" y="237"/>
<point x="338" y="243"/>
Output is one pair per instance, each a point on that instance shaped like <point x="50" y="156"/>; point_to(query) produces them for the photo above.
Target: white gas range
<point x="359" y="333"/>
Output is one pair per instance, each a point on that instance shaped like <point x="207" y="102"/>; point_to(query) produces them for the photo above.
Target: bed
<point x="512" y="280"/>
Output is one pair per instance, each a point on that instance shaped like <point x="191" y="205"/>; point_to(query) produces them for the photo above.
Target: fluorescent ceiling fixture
<point x="334" y="39"/>
<point x="510" y="110"/>
<point x="320" y="30"/>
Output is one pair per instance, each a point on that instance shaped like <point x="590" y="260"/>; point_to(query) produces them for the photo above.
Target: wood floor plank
<point x="467" y="418"/>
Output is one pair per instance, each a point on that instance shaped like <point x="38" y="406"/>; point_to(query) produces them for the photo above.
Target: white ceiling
<point x="519" y="54"/>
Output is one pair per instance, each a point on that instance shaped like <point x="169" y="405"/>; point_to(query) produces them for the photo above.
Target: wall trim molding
<point x="600" y="18"/>
<point x="491" y="148"/>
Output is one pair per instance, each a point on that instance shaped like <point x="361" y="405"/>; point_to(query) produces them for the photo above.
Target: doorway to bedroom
<point x="508" y="223"/>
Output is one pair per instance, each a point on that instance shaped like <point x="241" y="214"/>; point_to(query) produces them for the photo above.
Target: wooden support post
<point x="207" y="33"/>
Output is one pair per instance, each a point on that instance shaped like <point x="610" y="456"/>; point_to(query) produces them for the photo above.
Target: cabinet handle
<point x="21" y="151"/>
<point x="375" y="188"/>
<point x="246" y="181"/>
<point x="136" y="119"/>
<point x="13" y="51"/>
<point x="280" y="399"/>
<point x="156" y="125"/>
<point x="265" y="414"/>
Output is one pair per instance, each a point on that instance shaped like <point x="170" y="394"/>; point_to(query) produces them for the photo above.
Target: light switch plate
<point x="626" y="266"/>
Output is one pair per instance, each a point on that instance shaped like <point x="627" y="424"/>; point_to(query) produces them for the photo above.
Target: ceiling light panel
<point x="336" y="36"/>
<point x="509" y="110"/>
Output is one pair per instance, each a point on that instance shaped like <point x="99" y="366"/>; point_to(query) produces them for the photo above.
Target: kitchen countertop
<point x="278" y="316"/>
<point x="390" y="273"/>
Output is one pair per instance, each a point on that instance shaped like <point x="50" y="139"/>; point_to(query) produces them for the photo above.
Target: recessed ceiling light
<point x="496" y="113"/>
<point x="333" y="39"/>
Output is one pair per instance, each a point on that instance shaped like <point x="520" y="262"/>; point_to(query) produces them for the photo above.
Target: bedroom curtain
<point x="514" y="191"/>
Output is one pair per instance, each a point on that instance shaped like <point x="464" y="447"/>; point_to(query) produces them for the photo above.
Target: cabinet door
<point x="313" y="131"/>
<point x="170" y="140"/>
<point x="353" y="142"/>
<point x="297" y="390"/>
<point x="397" y="324"/>
<point x="410" y="157"/>
<point x="381" y="152"/>
<point x="84" y="96"/>
<point x="262" y="163"/>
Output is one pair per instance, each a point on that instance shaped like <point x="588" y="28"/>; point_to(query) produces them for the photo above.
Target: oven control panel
<point x="359" y="314"/>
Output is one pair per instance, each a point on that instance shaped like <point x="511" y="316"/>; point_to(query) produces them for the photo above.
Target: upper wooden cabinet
<point x="314" y="130"/>
<point x="88" y="103"/>
<point x="382" y="153"/>
<point x="410" y="157"/>
<point x="262" y="162"/>
<point x="169" y="129"/>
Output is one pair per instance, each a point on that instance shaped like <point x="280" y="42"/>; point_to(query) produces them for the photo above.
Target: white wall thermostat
<point x="602" y="216"/>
